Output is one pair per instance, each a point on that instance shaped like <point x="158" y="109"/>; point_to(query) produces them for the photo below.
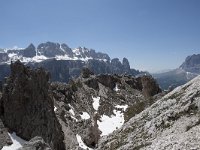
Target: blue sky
<point x="153" y="34"/>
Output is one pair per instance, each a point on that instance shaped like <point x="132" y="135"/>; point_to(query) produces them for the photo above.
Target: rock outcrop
<point x="4" y="137"/>
<point x="37" y="143"/>
<point x="27" y="108"/>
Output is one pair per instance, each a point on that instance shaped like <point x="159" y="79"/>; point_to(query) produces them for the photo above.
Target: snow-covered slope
<point x="17" y="142"/>
<point x="173" y="122"/>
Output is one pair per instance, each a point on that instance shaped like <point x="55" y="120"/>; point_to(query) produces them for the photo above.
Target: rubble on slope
<point x="170" y="123"/>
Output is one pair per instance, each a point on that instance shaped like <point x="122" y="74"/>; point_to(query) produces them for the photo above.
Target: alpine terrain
<point x="187" y="71"/>
<point x="43" y="106"/>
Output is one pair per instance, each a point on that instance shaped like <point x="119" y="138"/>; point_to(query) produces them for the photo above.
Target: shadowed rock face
<point x="27" y="108"/>
<point x="50" y="49"/>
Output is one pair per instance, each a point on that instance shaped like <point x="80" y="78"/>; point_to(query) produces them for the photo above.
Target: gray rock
<point x="28" y="109"/>
<point x="50" y="49"/>
<point x="4" y="137"/>
<point x="37" y="143"/>
<point x="85" y="73"/>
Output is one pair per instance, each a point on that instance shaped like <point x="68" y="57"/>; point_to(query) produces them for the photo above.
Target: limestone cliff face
<point x="27" y="108"/>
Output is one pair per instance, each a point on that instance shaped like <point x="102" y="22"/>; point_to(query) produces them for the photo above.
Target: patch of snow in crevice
<point x="72" y="112"/>
<point x="61" y="48"/>
<point x="116" y="89"/>
<point x="96" y="103"/>
<point x="85" y="116"/>
<point x="55" y="108"/>
<point x="76" y="51"/>
<point x="81" y="143"/>
<point x="109" y="124"/>
<point x="17" y="142"/>
<point x="124" y="107"/>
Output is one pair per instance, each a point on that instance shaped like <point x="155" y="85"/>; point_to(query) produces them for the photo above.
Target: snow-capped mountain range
<point x="50" y="50"/>
<point x="63" y="62"/>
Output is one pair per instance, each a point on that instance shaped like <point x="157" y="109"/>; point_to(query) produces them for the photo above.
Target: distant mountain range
<point x="63" y="62"/>
<point x="187" y="71"/>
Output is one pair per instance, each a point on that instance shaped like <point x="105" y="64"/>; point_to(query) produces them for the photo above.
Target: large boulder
<point x="27" y="108"/>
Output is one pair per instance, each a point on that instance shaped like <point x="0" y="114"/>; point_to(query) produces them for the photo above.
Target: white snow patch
<point x="85" y="116"/>
<point x="39" y="58"/>
<point x="76" y="51"/>
<point x="116" y="88"/>
<point x="109" y="124"/>
<point x="63" y="57"/>
<point x="12" y="54"/>
<point x="17" y="142"/>
<point x="124" y="107"/>
<point x="81" y="143"/>
<point x="62" y="48"/>
<point x="96" y="102"/>
<point x="55" y="108"/>
<point x="72" y="112"/>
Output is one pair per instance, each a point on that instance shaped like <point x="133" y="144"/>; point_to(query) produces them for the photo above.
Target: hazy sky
<point x="153" y="34"/>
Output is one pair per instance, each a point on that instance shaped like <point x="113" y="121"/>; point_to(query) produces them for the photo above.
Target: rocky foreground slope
<point x="173" y="122"/>
<point x="104" y="112"/>
<point x="70" y="116"/>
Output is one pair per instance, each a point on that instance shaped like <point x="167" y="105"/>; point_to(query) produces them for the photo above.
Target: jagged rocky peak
<point x="50" y="49"/>
<point x="67" y="49"/>
<point x="84" y="52"/>
<point x="172" y="122"/>
<point x="192" y="64"/>
<point x="27" y="107"/>
<point x="122" y="67"/>
<point x="30" y="51"/>
<point x="126" y="65"/>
